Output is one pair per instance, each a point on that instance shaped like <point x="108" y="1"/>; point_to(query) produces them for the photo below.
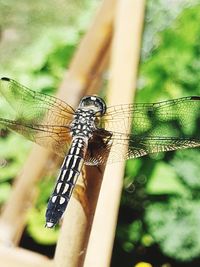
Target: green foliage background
<point x="161" y="201"/>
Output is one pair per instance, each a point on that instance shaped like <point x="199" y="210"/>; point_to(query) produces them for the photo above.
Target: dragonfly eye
<point x="95" y="103"/>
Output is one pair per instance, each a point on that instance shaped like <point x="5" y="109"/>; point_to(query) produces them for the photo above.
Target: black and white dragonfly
<point x="87" y="134"/>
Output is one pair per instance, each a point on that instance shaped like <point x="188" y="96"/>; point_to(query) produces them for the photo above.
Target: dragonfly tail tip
<point x="49" y="225"/>
<point x="5" y="79"/>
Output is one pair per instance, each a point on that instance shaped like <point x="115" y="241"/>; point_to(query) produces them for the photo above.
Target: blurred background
<point x="159" y="217"/>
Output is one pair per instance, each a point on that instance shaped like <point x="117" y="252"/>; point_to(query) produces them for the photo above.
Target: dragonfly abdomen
<point x="66" y="181"/>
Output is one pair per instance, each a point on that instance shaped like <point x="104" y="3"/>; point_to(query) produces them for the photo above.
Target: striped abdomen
<point x="66" y="181"/>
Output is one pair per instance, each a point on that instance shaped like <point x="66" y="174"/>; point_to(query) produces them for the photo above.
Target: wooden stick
<point x="124" y="65"/>
<point x="23" y="192"/>
<point x="74" y="241"/>
<point x="18" y="257"/>
<point x="89" y="54"/>
<point x="74" y="232"/>
<point x="97" y="82"/>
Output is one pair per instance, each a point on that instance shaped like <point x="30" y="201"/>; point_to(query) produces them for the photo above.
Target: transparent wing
<point x="120" y="147"/>
<point x="40" y="118"/>
<point x="138" y="146"/>
<point x="55" y="138"/>
<point x="163" y="126"/>
<point x="173" y="118"/>
<point x="98" y="147"/>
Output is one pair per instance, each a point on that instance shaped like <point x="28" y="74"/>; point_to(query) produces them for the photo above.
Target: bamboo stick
<point x="77" y="219"/>
<point x="97" y="83"/>
<point x="74" y="233"/>
<point x="89" y="54"/>
<point x="124" y="64"/>
<point x="18" y="257"/>
<point x="13" y="216"/>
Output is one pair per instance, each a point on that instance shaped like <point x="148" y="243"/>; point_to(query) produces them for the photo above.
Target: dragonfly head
<point x="93" y="102"/>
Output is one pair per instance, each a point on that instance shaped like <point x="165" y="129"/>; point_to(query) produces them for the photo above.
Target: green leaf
<point x="164" y="180"/>
<point x="186" y="164"/>
<point x="5" y="189"/>
<point x="36" y="228"/>
<point x="130" y="235"/>
<point x="175" y="227"/>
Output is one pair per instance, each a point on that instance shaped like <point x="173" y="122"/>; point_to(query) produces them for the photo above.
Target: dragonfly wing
<point x="40" y="118"/>
<point x="120" y="147"/>
<point x="153" y="128"/>
<point x="98" y="147"/>
<point x="131" y="146"/>
<point x="173" y="118"/>
<point x="32" y="107"/>
<point x="55" y="138"/>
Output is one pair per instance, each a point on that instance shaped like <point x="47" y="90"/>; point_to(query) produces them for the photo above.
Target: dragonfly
<point x="87" y="134"/>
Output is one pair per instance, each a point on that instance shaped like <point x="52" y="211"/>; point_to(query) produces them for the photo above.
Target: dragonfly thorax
<point x="83" y="123"/>
<point x="86" y="116"/>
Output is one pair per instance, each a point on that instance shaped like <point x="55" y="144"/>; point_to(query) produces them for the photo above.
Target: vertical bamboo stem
<point x="124" y="64"/>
